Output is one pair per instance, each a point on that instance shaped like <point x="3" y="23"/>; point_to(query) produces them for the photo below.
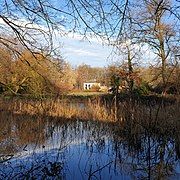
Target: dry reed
<point x="91" y="110"/>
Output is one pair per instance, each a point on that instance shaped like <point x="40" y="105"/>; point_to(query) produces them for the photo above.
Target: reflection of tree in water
<point x="151" y="144"/>
<point x="143" y="153"/>
<point x="30" y="130"/>
<point x="7" y="136"/>
<point x="155" y="158"/>
<point x="137" y="146"/>
<point x="18" y="131"/>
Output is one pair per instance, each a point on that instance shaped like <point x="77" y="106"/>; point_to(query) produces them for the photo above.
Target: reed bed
<point x="59" y="108"/>
<point x="129" y="113"/>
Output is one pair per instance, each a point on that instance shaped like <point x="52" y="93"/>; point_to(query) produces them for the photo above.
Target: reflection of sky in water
<point x="82" y="149"/>
<point x="79" y="154"/>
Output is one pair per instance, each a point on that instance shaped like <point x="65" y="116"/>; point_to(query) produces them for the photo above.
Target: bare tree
<point x="25" y="19"/>
<point x="99" y="17"/>
<point x="159" y="30"/>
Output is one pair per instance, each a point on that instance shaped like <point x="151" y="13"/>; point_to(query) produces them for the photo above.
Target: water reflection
<point x="46" y="147"/>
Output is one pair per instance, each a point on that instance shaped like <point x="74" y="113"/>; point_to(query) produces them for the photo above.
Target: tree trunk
<point x="130" y="69"/>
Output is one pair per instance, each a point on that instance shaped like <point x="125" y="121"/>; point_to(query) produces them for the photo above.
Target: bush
<point x="169" y="87"/>
<point x="143" y="89"/>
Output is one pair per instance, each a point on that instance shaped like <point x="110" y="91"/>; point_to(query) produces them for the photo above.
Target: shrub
<point x="143" y="89"/>
<point x="169" y="88"/>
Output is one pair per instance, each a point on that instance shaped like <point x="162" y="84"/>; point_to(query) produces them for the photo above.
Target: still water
<point x="51" y="148"/>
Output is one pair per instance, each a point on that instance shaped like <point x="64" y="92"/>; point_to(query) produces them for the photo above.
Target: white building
<point x="89" y="85"/>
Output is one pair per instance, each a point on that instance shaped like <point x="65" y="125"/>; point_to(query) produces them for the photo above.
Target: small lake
<point x="33" y="147"/>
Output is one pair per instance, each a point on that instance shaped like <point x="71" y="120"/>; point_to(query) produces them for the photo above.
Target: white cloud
<point x="81" y="52"/>
<point x="77" y="50"/>
<point x="22" y="23"/>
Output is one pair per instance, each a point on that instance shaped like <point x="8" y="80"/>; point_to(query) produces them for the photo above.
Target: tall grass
<point x="127" y="112"/>
<point x="89" y="110"/>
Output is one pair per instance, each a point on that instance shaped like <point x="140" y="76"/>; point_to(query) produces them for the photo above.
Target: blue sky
<point x="73" y="48"/>
<point x="77" y="51"/>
